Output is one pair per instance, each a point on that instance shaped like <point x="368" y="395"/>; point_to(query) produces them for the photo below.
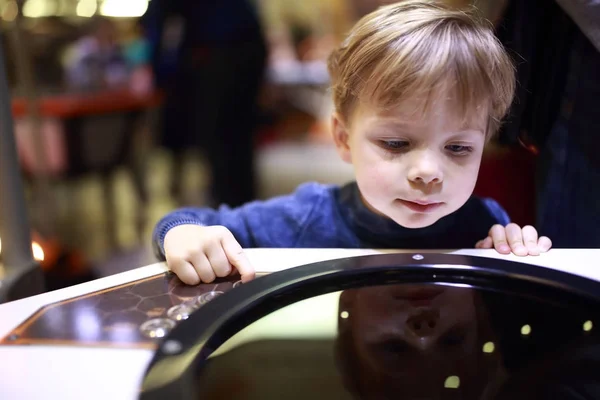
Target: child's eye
<point x="393" y="144"/>
<point x="459" y="149"/>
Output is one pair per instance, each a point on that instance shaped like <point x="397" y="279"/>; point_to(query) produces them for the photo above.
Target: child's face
<point x="413" y="169"/>
<point x="409" y="338"/>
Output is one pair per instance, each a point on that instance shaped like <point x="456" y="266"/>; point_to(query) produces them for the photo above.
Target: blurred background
<point x="127" y="109"/>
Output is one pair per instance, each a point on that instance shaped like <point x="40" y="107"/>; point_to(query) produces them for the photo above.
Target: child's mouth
<point x="420" y="207"/>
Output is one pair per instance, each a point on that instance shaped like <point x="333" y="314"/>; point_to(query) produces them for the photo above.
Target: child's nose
<point x="425" y="170"/>
<point x="425" y="176"/>
<point x="424" y="323"/>
<point x="427" y="179"/>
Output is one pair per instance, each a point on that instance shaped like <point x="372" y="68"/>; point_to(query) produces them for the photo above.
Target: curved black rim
<point x="171" y="371"/>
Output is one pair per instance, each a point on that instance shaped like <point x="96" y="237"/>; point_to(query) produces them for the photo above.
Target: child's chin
<point x="417" y="221"/>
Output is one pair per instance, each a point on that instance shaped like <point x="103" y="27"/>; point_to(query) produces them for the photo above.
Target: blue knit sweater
<point x="329" y="216"/>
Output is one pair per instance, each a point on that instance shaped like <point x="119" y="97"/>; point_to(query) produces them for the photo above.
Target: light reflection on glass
<point x="206" y="297"/>
<point x="489" y="347"/>
<point x="123" y="332"/>
<point x="452" y="382"/>
<point x="56" y="319"/>
<point x="88" y="326"/>
<point x="180" y="312"/>
<point x="157" y="328"/>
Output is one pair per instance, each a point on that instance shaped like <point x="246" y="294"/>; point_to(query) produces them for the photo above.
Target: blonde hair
<point x="417" y="49"/>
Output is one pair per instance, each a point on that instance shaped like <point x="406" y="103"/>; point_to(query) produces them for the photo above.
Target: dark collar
<point x="379" y="231"/>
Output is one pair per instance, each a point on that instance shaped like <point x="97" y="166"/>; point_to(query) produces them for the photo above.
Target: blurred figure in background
<point x="96" y="61"/>
<point x="210" y="57"/>
<point x="136" y="50"/>
<point x="556" y="109"/>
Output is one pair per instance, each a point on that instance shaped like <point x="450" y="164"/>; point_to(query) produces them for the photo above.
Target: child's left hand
<point x="512" y="238"/>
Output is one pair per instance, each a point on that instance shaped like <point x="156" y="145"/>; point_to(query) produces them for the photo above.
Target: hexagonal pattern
<point x="111" y="317"/>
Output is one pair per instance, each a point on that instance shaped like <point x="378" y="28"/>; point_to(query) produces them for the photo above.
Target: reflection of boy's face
<point x="414" y="170"/>
<point x="413" y="337"/>
<point x="415" y="324"/>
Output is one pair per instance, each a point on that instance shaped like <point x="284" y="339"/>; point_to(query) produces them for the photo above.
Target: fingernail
<point x="504" y="248"/>
<point x="521" y="250"/>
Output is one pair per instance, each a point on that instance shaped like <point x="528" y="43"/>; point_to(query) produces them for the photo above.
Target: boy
<point x="418" y="88"/>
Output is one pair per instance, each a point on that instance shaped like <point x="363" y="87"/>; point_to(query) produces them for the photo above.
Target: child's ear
<point x="340" y="137"/>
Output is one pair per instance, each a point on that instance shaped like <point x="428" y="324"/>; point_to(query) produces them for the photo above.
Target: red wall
<point x="508" y="176"/>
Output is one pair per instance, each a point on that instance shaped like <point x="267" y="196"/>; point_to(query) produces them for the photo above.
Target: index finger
<point x="236" y="256"/>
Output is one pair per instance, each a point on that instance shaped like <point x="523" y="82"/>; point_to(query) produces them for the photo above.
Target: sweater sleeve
<point x="496" y="211"/>
<point x="274" y="223"/>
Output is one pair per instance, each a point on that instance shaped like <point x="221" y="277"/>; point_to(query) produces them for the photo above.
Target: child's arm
<point x="200" y="244"/>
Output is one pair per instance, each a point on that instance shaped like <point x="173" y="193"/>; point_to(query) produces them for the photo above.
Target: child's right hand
<point x="202" y="253"/>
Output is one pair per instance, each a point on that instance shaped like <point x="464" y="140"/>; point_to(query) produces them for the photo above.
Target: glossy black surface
<point x="390" y="327"/>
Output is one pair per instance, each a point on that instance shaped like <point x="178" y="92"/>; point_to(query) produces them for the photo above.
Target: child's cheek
<point x="378" y="181"/>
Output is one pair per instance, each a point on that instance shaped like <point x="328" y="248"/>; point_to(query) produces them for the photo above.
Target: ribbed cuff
<point x="161" y="232"/>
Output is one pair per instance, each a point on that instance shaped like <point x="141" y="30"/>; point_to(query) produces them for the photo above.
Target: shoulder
<point x="305" y="198"/>
<point x="315" y="190"/>
<point x="282" y="220"/>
